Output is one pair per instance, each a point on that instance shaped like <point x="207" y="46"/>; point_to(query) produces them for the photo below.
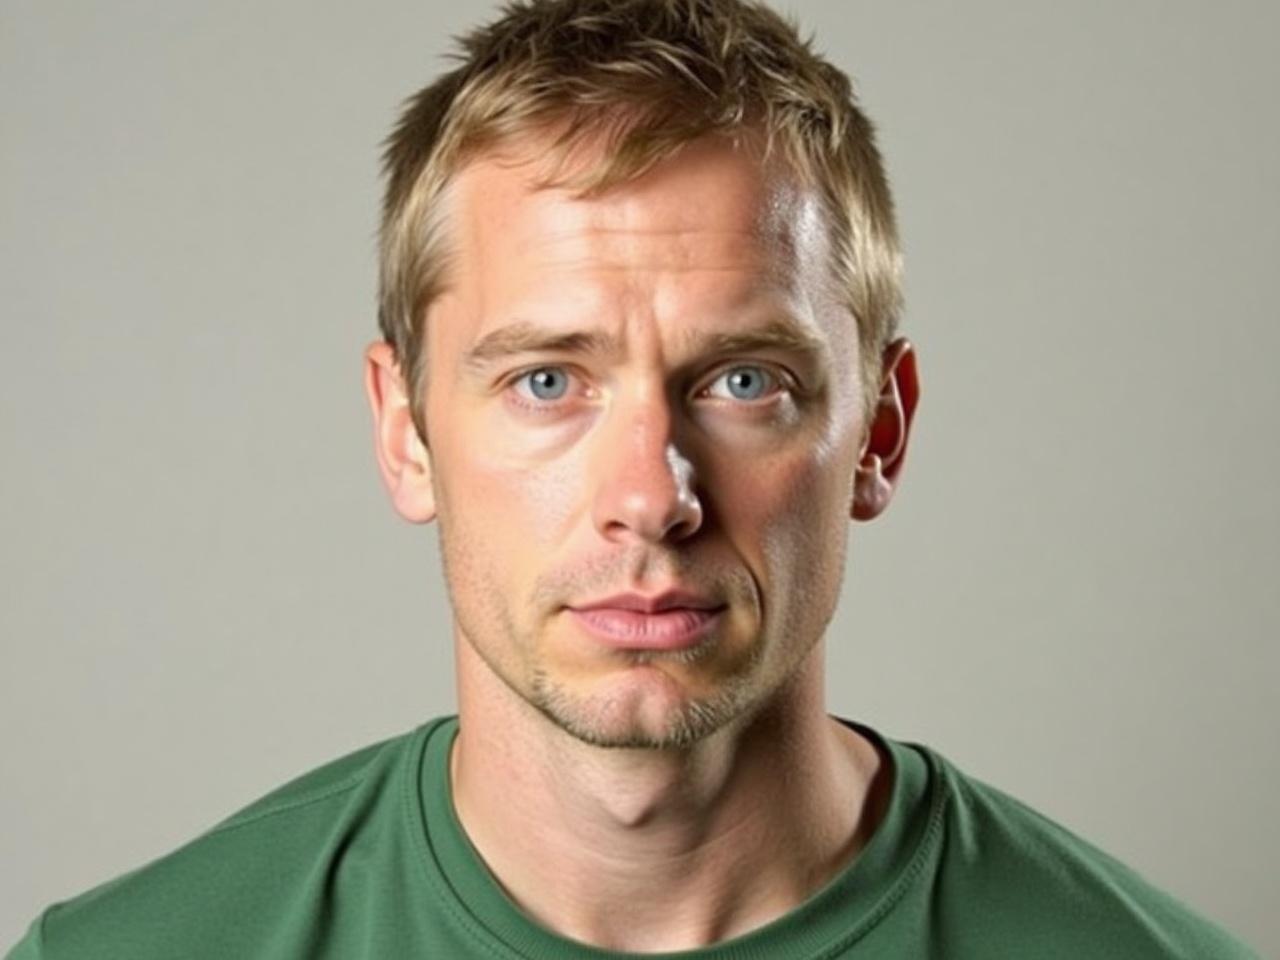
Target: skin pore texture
<point x="647" y="801"/>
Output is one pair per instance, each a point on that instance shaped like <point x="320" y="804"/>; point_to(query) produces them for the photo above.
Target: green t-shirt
<point x="365" y="858"/>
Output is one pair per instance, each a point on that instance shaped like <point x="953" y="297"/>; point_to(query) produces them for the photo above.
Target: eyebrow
<point x="521" y="336"/>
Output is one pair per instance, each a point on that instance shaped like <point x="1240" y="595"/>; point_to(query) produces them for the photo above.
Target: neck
<point x="662" y="850"/>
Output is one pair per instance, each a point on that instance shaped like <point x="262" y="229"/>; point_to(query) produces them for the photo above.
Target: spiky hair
<point x="647" y="76"/>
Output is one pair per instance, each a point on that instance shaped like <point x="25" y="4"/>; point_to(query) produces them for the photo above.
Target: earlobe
<point x="872" y="490"/>
<point x="403" y="460"/>
<point x="884" y="451"/>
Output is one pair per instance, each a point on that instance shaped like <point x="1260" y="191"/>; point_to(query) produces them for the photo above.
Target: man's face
<point x="565" y="474"/>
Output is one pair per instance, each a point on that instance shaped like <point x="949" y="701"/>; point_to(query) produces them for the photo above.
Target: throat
<point x="673" y="859"/>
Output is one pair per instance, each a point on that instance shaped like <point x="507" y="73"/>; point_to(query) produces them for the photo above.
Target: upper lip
<point x="667" y="600"/>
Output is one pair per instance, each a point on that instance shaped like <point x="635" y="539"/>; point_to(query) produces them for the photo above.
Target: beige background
<point x="206" y="591"/>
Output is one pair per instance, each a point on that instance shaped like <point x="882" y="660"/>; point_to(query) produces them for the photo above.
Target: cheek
<point x="789" y="493"/>
<point x="800" y="525"/>
<point x="805" y="505"/>
<point x="514" y="504"/>
<point x="499" y="526"/>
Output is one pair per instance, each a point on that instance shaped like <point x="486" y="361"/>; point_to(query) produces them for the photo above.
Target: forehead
<point x="711" y="208"/>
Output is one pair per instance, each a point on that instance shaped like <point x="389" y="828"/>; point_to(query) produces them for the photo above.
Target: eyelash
<point x="783" y="378"/>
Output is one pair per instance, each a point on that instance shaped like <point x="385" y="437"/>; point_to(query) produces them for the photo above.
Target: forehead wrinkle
<point x="779" y="332"/>
<point x="670" y="251"/>
<point x="771" y="223"/>
<point x="562" y="241"/>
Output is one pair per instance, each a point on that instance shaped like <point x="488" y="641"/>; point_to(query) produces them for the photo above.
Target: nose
<point x="644" y="484"/>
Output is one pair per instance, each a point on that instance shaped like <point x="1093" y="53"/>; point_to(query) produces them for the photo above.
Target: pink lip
<point x="632" y="630"/>
<point x="667" y="600"/>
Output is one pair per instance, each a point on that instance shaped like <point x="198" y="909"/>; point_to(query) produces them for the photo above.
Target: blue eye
<point x="544" y="379"/>
<point x="548" y="385"/>
<point x="751" y="379"/>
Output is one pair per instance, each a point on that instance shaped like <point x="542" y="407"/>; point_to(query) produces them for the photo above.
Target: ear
<point x="403" y="459"/>
<point x="885" y="447"/>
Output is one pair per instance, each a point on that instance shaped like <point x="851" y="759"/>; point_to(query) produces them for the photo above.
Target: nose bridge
<point x="644" y="483"/>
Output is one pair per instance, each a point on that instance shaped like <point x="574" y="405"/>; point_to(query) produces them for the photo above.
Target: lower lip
<point x="633" y="630"/>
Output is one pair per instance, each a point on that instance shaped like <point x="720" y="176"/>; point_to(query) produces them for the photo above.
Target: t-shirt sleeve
<point x="29" y="948"/>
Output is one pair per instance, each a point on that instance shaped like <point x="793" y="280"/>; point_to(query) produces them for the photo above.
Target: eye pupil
<point x="538" y="379"/>
<point x="747" y="382"/>
<point x="741" y="375"/>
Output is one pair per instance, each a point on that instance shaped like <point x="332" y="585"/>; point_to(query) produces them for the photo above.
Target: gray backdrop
<point x="206" y="591"/>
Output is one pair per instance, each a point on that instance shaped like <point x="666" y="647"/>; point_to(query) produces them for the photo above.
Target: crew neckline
<point x="834" y="916"/>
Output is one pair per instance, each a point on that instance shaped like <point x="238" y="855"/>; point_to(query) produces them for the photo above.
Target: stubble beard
<point x="593" y="720"/>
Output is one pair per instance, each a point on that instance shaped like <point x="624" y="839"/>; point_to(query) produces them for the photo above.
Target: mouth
<point x="673" y="629"/>
<point x="676" y="597"/>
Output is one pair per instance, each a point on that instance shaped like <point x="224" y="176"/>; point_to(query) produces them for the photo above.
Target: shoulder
<point x="205" y="898"/>
<point x="1040" y="883"/>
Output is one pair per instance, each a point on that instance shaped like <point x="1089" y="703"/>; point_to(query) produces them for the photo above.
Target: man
<point x="640" y="285"/>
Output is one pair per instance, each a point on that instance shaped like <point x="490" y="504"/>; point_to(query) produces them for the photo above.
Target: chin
<point x="648" y="710"/>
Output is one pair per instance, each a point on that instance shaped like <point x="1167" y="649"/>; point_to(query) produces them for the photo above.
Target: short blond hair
<point x="649" y="76"/>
